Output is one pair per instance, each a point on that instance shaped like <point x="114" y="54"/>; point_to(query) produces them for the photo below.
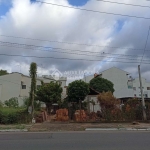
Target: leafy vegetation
<point x="110" y="106"/>
<point x="49" y="94"/>
<point x="3" y="72"/>
<point x="77" y="90"/>
<point x="33" y="75"/>
<point x="37" y="104"/>
<point x="132" y="109"/>
<point x="13" y="115"/>
<point x="101" y="85"/>
<point x="12" y="102"/>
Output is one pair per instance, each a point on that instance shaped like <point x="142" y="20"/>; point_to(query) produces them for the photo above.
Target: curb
<point x="117" y="129"/>
<point x="14" y="130"/>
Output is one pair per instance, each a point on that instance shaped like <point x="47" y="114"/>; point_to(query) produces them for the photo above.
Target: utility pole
<point x="143" y="102"/>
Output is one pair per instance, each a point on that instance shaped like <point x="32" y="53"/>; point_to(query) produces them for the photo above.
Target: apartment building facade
<point x="18" y="85"/>
<point x="124" y="84"/>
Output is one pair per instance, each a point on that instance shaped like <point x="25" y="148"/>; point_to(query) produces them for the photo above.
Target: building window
<point x="130" y="84"/>
<point x="146" y="96"/>
<point x="134" y="88"/>
<point x="140" y="88"/>
<point x="134" y="95"/>
<point x="148" y="88"/>
<point x="38" y="86"/>
<point x="130" y="87"/>
<point x="23" y="86"/>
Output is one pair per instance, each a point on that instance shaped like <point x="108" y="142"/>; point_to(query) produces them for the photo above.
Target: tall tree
<point x="33" y="75"/>
<point x="101" y="85"/>
<point x="77" y="91"/>
<point x="3" y="72"/>
<point x="49" y="94"/>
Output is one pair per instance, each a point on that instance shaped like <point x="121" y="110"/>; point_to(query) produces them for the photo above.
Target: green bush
<point x="13" y="115"/>
<point x="12" y="102"/>
<point x="27" y="103"/>
<point x="1" y="104"/>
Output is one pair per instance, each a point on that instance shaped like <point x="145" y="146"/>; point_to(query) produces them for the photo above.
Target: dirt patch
<point x="59" y="126"/>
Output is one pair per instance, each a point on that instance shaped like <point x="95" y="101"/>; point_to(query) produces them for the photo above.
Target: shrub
<point x="1" y="104"/>
<point x="13" y="115"/>
<point x="132" y="110"/>
<point x="107" y="100"/>
<point x="110" y="106"/>
<point x="12" y="102"/>
<point x="37" y="105"/>
<point x="148" y="110"/>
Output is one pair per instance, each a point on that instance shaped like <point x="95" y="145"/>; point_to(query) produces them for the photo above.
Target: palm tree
<point x="33" y="75"/>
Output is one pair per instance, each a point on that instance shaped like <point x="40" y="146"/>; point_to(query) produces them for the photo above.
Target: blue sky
<point x="78" y="2"/>
<point x="4" y="7"/>
<point x="73" y="2"/>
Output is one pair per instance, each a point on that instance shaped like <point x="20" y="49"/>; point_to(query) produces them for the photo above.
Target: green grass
<point x="11" y="110"/>
<point x="20" y="126"/>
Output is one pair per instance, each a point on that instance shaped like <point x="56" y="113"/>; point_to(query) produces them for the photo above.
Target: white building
<point x="136" y="88"/>
<point x="18" y="85"/>
<point x="125" y="86"/>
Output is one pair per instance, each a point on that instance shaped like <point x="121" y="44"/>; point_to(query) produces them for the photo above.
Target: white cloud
<point x="41" y="21"/>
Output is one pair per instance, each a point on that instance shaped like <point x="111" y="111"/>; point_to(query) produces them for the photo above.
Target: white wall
<point x="120" y="80"/>
<point x="96" y="106"/>
<point x="145" y="84"/>
<point x="10" y="86"/>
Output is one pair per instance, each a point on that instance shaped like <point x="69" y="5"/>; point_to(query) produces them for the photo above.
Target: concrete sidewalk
<point x="66" y="126"/>
<point x="59" y="126"/>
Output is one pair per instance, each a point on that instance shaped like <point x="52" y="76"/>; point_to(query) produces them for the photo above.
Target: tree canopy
<point x="101" y="85"/>
<point x="33" y="75"/>
<point x="77" y="90"/>
<point x="3" y="72"/>
<point x="49" y="93"/>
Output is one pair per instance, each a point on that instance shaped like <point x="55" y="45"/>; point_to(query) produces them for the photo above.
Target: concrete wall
<point x="96" y="106"/>
<point x="120" y="80"/>
<point x="10" y="86"/>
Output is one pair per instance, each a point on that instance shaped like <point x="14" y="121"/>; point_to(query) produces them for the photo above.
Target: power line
<point x="90" y="10"/>
<point x="79" y="53"/>
<point x="41" y="57"/>
<point x="90" y="55"/>
<point x="145" y="44"/>
<point x="124" y="4"/>
<point x="26" y="46"/>
<point x="104" y="53"/>
<point x="81" y="44"/>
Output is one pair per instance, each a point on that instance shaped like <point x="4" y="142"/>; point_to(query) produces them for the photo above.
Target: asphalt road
<point x="101" y="140"/>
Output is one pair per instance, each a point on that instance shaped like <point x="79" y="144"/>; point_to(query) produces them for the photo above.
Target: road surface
<point x="100" y="140"/>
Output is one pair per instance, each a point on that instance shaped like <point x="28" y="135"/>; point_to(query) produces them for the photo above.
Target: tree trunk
<point x="49" y="107"/>
<point x="32" y="104"/>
